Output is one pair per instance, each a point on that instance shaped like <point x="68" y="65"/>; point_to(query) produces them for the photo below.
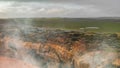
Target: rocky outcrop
<point x="50" y="48"/>
<point x="116" y="62"/>
<point x="6" y="62"/>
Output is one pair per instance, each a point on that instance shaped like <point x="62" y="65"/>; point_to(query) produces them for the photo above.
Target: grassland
<point x="104" y="25"/>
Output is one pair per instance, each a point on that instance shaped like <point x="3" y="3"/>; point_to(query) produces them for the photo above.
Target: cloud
<point x="48" y="9"/>
<point x="55" y="10"/>
<point x="99" y="7"/>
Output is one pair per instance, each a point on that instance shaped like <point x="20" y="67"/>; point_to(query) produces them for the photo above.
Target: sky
<point x="59" y="8"/>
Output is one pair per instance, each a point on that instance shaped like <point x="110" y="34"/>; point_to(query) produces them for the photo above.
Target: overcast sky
<point x="59" y="8"/>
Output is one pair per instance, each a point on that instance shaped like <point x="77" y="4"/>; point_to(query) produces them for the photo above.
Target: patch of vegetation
<point x="104" y="25"/>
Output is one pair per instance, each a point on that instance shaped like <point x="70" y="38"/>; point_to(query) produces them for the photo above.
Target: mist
<point x="47" y="47"/>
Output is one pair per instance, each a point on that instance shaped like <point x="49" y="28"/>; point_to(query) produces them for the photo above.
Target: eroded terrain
<point x="54" y="48"/>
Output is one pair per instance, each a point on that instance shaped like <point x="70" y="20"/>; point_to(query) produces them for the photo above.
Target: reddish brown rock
<point x="13" y="63"/>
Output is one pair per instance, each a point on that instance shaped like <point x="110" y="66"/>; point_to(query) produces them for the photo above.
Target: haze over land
<point x="60" y="33"/>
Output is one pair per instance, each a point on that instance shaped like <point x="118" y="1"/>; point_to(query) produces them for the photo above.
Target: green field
<point x="104" y="25"/>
